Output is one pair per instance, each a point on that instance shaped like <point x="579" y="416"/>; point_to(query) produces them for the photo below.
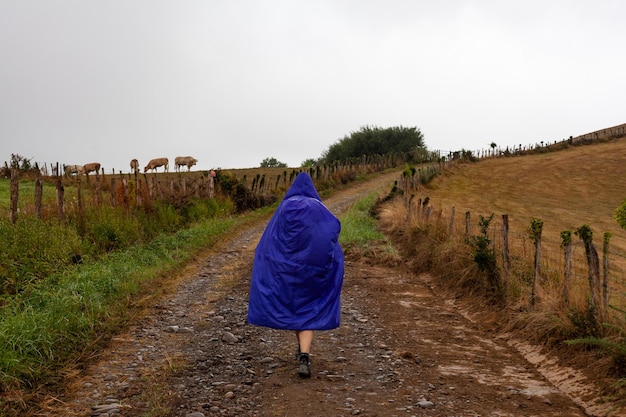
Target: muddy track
<point x="401" y="350"/>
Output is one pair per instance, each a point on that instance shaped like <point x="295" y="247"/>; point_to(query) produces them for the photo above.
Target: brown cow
<point x="155" y="163"/>
<point x="184" y="160"/>
<point x="92" y="167"/>
<point x="134" y="165"/>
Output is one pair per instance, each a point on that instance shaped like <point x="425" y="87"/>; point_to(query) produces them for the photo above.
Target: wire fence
<point x="567" y="279"/>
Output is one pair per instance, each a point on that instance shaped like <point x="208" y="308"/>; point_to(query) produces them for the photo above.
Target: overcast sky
<point x="233" y="82"/>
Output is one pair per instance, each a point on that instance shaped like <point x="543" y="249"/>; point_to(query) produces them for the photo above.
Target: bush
<point x="485" y="256"/>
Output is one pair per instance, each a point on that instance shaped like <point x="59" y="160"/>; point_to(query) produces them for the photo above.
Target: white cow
<point x="92" y="167"/>
<point x="158" y="162"/>
<point x="73" y="169"/>
<point x="134" y="165"/>
<point x="180" y="161"/>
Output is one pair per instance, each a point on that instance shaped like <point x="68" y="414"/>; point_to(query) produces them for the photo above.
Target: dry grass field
<point x="566" y="189"/>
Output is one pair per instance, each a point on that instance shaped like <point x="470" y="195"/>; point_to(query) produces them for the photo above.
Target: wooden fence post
<point x="593" y="263"/>
<point x="113" y="197"/>
<point x="99" y="188"/>
<point x="536" y="226"/>
<point x="15" y="193"/>
<point x="212" y="184"/>
<point x="140" y="193"/>
<point x="506" y="256"/>
<point x="467" y="224"/>
<point x="60" y="199"/>
<point x="137" y="189"/>
<point x="149" y="186"/>
<point x="38" y="195"/>
<point x="125" y="190"/>
<point x="81" y="213"/>
<point x="605" y="271"/>
<point x="410" y="203"/>
<point x="566" y="244"/>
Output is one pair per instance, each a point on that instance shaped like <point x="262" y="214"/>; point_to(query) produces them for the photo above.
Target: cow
<point x="158" y="162"/>
<point x="184" y="160"/>
<point x="92" y="167"/>
<point x="134" y="165"/>
<point x="73" y="169"/>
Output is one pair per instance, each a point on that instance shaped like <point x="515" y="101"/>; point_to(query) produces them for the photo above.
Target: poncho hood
<point x="302" y="186"/>
<point x="298" y="264"/>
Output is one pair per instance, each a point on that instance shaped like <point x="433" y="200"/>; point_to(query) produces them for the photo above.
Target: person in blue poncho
<point x="298" y="269"/>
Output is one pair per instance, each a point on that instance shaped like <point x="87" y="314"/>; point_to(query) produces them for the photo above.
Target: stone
<point x="425" y="404"/>
<point x="228" y="337"/>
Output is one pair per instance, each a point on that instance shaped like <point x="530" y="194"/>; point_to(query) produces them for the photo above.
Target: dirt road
<point x="401" y="351"/>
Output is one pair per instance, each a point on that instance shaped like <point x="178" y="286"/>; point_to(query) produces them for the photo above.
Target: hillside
<point x="566" y="189"/>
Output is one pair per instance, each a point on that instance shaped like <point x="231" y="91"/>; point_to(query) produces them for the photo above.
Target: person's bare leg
<point x="305" y="339"/>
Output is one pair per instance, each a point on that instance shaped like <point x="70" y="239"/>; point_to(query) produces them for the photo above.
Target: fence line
<point x="143" y="190"/>
<point x="550" y="267"/>
<point x="602" y="135"/>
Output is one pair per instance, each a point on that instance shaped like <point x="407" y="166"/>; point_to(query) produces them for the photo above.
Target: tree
<point x="308" y="163"/>
<point x="375" y="141"/>
<point x="272" y="162"/>
<point x="20" y="162"/>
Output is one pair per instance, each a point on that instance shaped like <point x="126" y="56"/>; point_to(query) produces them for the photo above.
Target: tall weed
<point x="112" y="228"/>
<point x="33" y="249"/>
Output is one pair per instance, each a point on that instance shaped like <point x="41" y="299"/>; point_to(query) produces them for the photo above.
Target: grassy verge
<point x="66" y="316"/>
<point x="359" y="235"/>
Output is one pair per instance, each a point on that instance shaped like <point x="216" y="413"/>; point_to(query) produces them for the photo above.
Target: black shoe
<point x="304" y="367"/>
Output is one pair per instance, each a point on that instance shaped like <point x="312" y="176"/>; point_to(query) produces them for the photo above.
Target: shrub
<point x="485" y="255"/>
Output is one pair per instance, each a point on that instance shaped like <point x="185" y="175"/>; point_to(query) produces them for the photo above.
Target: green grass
<point x="26" y="191"/>
<point x="65" y="315"/>
<point x="358" y="230"/>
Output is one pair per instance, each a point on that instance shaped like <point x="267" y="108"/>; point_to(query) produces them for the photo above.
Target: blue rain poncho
<point x="298" y="265"/>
